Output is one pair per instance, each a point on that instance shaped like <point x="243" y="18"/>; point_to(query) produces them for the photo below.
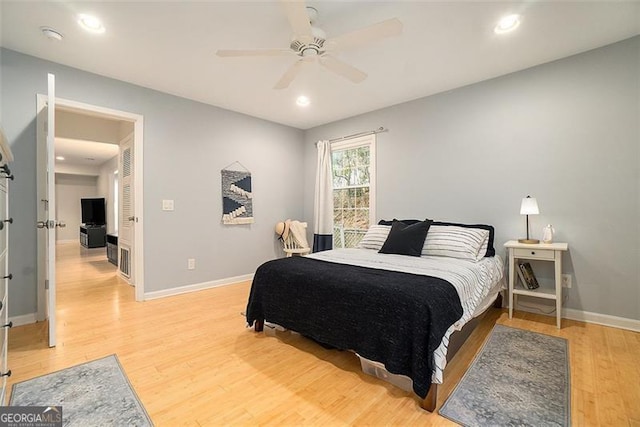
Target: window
<point x="353" y="163"/>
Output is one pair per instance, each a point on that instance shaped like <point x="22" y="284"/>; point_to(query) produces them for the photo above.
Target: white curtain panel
<point x="323" y="202"/>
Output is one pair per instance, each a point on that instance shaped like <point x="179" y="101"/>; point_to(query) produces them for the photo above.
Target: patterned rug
<point x="518" y="378"/>
<point x="95" y="393"/>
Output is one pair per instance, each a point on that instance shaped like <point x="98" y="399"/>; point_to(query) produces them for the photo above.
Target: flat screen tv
<point x="93" y="211"/>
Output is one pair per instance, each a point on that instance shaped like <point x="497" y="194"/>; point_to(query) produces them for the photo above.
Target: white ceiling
<point x="170" y="46"/>
<point x="83" y="152"/>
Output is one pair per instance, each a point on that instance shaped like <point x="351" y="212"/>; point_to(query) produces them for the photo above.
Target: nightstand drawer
<point x="534" y="253"/>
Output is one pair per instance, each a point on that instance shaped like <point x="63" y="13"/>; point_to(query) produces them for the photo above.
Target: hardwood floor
<point x="192" y="361"/>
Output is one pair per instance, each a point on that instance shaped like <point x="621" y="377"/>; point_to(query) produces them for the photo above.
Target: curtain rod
<point x="368" y="132"/>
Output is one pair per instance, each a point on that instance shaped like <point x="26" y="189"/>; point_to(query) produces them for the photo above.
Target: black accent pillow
<point x="491" y="251"/>
<point x="405" y="239"/>
<point x="406" y="221"/>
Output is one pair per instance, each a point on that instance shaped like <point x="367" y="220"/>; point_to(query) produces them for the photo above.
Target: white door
<point x="126" y="215"/>
<point x="47" y="208"/>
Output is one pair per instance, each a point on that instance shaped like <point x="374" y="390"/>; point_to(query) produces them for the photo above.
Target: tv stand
<point x="93" y="236"/>
<point x="112" y="249"/>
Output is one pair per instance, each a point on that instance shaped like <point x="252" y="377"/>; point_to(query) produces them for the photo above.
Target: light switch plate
<point x="167" y="205"/>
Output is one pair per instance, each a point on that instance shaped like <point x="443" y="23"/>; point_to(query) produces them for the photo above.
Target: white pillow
<point x="375" y="237"/>
<point x="456" y="242"/>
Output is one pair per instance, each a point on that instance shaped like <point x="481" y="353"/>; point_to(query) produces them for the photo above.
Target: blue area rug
<point x="519" y="378"/>
<point x="95" y="393"/>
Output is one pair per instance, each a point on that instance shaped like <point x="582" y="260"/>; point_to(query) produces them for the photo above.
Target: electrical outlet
<point x="566" y="280"/>
<point x="191" y="264"/>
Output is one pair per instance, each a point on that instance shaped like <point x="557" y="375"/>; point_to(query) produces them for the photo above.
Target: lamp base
<point x="529" y="241"/>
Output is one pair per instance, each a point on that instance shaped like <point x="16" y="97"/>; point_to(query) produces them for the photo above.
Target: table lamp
<point x="528" y="207"/>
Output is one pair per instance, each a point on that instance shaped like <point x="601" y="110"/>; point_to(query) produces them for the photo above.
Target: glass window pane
<point x="337" y="237"/>
<point x="364" y="198"/>
<point x="351" y="195"/>
<point x="349" y="218"/>
<point x="362" y="219"/>
<point x="349" y="198"/>
<point x="337" y="216"/>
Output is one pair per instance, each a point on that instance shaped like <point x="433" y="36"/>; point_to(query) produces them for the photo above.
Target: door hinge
<point x="46" y="284"/>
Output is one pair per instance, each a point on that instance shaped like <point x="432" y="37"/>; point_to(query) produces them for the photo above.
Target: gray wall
<point x="565" y="132"/>
<point x="106" y="189"/>
<point x="69" y="190"/>
<point x="185" y="146"/>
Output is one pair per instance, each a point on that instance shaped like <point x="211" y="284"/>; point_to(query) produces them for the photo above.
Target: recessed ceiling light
<point x="303" y="101"/>
<point x="91" y="23"/>
<point x="51" y="34"/>
<point x="59" y="158"/>
<point x="506" y="24"/>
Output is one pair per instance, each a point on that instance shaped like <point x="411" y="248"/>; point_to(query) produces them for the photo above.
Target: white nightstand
<point x="540" y="252"/>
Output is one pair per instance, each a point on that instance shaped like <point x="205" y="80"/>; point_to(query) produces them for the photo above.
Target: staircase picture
<point x="237" y="203"/>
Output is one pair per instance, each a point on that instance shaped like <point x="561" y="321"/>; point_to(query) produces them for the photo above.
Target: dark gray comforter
<point x="394" y="318"/>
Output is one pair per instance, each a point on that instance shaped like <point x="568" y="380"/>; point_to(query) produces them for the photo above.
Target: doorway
<point x="130" y="127"/>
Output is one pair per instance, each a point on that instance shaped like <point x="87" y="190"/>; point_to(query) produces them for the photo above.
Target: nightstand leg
<point x="512" y="273"/>
<point x="558" y="265"/>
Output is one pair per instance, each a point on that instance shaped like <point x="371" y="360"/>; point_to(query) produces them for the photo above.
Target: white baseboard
<point x="602" y="319"/>
<point x="23" y="319"/>
<point x="584" y="316"/>
<point x="197" y="287"/>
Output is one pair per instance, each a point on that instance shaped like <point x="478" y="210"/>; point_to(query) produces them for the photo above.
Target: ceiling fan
<point x="311" y="44"/>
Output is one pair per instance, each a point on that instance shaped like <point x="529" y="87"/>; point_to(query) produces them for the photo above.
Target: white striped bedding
<point x="472" y="281"/>
<point x="441" y="240"/>
<point x="456" y="242"/>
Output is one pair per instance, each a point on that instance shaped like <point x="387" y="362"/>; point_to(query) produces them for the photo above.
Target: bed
<point x="392" y="308"/>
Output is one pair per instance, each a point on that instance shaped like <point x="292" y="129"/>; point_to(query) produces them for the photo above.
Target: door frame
<point x="138" y="142"/>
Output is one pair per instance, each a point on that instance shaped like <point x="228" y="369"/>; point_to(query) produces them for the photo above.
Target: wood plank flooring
<point x="192" y="361"/>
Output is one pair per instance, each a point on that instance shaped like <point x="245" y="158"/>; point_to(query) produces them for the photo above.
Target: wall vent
<point x="125" y="262"/>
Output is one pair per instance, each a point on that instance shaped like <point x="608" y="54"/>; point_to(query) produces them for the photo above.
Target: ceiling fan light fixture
<point x="507" y="24"/>
<point x="308" y="42"/>
<point x="91" y="23"/>
<point x="312" y="12"/>
<point x="303" y="101"/>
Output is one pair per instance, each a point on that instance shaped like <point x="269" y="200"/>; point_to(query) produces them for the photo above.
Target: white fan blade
<point x="342" y="68"/>
<point x="296" y="12"/>
<point x="290" y="74"/>
<point x="381" y="30"/>
<point x="254" y="52"/>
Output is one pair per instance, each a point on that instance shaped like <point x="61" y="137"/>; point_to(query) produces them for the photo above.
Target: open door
<point x="47" y="208"/>
<point x="130" y="233"/>
<point x="126" y="215"/>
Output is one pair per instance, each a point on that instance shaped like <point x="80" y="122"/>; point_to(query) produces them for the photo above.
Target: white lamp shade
<point x="529" y="206"/>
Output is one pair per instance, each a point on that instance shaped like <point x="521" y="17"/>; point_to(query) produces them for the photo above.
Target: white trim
<point x="197" y="287"/>
<point x="95" y="110"/>
<point x="363" y="141"/>
<point x="138" y="139"/>
<point x="23" y="319"/>
<point x="349" y="143"/>
<point x="601" y="319"/>
<point x="138" y="197"/>
<point x="585" y="316"/>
